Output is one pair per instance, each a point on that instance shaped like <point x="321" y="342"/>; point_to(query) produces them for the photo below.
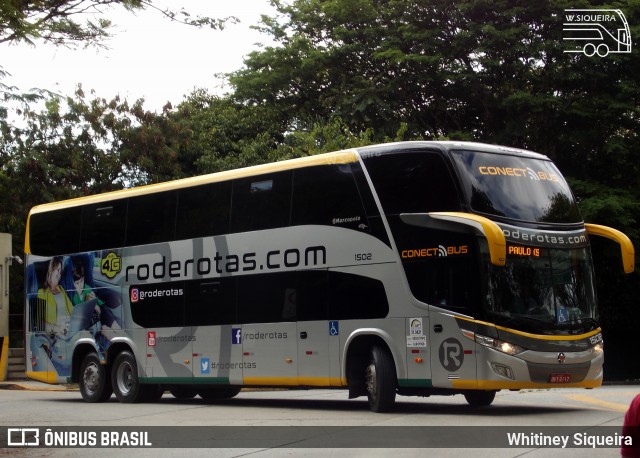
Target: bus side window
<point x="327" y="195"/>
<point x="151" y="218"/>
<point x="162" y="311"/>
<point x="55" y="232"/>
<point x="267" y="298"/>
<point x="210" y="302"/>
<point x="312" y="295"/>
<point x="261" y="202"/>
<point x="203" y="210"/>
<point x="103" y="225"/>
<point x="354" y="297"/>
<point x="411" y="182"/>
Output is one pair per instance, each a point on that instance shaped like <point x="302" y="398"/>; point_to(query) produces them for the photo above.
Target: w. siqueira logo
<point x="596" y="31"/>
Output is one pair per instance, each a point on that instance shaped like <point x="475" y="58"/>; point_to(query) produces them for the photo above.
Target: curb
<point x="28" y="386"/>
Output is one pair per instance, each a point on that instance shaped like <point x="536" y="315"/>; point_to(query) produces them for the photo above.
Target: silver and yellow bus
<point x="414" y="268"/>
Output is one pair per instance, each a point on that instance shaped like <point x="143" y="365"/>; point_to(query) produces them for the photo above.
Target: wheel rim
<point x="125" y="378"/>
<point x="371" y="380"/>
<point x="91" y="378"/>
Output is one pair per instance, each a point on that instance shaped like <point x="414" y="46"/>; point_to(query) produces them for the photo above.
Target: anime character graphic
<point x="58" y="305"/>
<point x="84" y="293"/>
<point x="64" y="306"/>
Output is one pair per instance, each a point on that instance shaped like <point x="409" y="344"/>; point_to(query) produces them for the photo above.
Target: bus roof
<point x="448" y="146"/>
<point x="339" y="157"/>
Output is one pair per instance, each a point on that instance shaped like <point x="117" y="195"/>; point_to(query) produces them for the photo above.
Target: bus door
<point x="266" y="307"/>
<point x="315" y="333"/>
<point x="313" y="352"/>
<point x="269" y="353"/>
<point x="217" y="349"/>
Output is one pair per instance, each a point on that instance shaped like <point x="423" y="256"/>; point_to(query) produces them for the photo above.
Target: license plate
<point x="560" y="378"/>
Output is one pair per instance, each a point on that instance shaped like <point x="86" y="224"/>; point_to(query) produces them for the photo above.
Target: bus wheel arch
<point x="371" y="371"/>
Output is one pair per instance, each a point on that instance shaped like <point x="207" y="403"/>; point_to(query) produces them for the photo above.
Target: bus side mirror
<point x="626" y="247"/>
<point x="479" y="224"/>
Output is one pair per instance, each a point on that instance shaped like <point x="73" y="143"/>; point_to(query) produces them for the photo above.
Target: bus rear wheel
<point x="480" y="398"/>
<point x="218" y="393"/>
<point x="124" y="378"/>
<point x="93" y="381"/>
<point x="380" y="380"/>
<point x="183" y="392"/>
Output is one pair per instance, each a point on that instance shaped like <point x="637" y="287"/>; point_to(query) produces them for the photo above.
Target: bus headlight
<point x="598" y="348"/>
<point x="500" y="345"/>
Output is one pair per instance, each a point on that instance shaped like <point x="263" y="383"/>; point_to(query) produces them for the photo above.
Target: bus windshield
<point x="544" y="290"/>
<point x="515" y="187"/>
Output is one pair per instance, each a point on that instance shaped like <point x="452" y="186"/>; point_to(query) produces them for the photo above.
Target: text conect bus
<point x="415" y="268"/>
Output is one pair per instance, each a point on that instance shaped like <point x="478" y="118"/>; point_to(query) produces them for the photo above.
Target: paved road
<point x="536" y="412"/>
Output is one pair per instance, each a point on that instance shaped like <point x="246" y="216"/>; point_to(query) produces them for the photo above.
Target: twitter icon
<point x="205" y="366"/>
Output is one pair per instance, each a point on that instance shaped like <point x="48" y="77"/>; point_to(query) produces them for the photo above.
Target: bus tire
<point x="151" y="393"/>
<point x="218" y="393"/>
<point x="183" y="391"/>
<point x="93" y="380"/>
<point x="480" y="398"/>
<point x="380" y="380"/>
<point x="124" y="378"/>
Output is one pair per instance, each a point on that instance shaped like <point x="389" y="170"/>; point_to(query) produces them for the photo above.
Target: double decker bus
<point x="413" y="268"/>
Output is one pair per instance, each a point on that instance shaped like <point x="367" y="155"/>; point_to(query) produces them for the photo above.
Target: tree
<point x="59" y="21"/>
<point x="492" y="71"/>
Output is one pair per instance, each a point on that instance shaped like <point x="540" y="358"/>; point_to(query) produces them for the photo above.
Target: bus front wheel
<point x="124" y="378"/>
<point x="93" y="381"/>
<point x="480" y="398"/>
<point x="380" y="380"/>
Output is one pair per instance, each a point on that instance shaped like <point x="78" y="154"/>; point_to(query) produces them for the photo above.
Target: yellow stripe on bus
<point x="340" y="157"/>
<point x="46" y="377"/>
<point x="532" y="336"/>
<point x="293" y="381"/>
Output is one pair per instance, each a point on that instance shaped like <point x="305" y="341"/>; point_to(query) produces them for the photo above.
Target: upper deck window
<point x="413" y="182"/>
<point x="514" y="187"/>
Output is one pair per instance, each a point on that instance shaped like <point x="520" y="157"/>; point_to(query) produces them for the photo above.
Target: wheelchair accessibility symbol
<point x="333" y="328"/>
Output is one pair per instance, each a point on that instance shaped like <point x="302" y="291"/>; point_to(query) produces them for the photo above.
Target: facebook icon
<point x="236" y="336"/>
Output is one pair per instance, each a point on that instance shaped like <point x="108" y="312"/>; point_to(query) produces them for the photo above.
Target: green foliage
<point x="347" y="73"/>
<point x="77" y="23"/>
<point x="493" y="71"/>
<point x="615" y="207"/>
